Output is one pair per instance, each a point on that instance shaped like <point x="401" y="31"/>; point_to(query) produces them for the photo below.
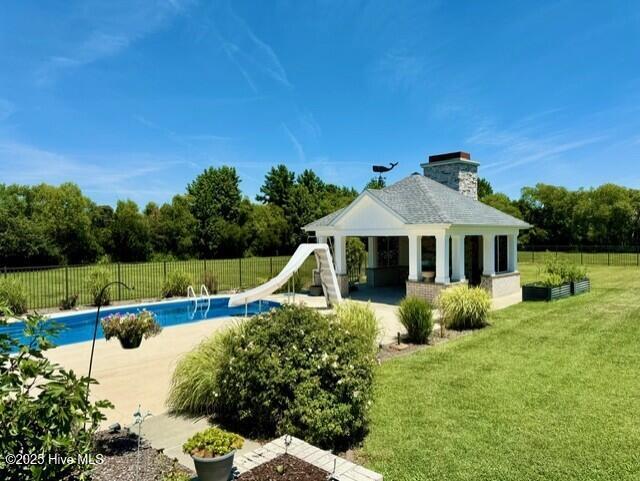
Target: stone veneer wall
<point x="428" y="290"/>
<point x="501" y="284"/>
<point x="460" y="176"/>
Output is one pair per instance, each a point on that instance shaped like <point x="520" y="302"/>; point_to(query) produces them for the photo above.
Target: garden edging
<point x="345" y="470"/>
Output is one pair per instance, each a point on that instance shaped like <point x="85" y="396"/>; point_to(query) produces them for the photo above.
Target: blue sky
<point x="133" y="99"/>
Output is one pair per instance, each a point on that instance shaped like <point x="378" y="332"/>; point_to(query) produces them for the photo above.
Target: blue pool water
<point x="78" y="327"/>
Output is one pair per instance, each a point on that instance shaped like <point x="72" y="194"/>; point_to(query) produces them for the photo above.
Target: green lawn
<point x="551" y="391"/>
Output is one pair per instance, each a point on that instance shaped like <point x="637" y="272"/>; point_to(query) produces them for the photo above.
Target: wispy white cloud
<point x="182" y="139"/>
<point x="401" y="70"/>
<point x="110" y="29"/>
<point x="520" y="146"/>
<point x="123" y="174"/>
<point x="252" y="56"/>
<point x="297" y="146"/>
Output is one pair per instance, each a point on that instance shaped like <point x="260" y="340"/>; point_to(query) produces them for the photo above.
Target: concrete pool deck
<point x="142" y="376"/>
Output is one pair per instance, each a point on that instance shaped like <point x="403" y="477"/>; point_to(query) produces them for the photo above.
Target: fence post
<point x="581" y="257"/>
<point x="270" y="267"/>
<point x="119" y="286"/>
<point x="240" y="271"/>
<point x="637" y="257"/>
<point x="533" y="256"/>
<point x="608" y="257"/>
<point x="164" y="270"/>
<point x="66" y="282"/>
<point x="5" y="272"/>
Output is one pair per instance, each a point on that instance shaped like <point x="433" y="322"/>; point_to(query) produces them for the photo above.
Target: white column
<point x="457" y="257"/>
<point x="372" y="252"/>
<point x="340" y="253"/>
<point x="415" y="257"/>
<point x="488" y="255"/>
<point x="442" y="258"/>
<point x="512" y="252"/>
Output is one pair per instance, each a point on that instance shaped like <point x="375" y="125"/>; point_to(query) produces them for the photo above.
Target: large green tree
<point x="173" y="228"/>
<point x="130" y="233"/>
<point x="277" y="186"/>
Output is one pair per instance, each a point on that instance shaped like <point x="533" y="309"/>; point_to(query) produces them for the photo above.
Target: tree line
<point x="55" y="225"/>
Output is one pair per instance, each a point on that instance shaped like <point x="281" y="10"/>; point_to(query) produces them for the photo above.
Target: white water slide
<point x="325" y="266"/>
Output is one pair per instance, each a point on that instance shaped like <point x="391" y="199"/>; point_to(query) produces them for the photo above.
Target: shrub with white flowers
<point x="291" y="370"/>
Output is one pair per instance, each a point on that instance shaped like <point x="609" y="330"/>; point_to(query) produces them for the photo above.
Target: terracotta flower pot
<point x="214" y="469"/>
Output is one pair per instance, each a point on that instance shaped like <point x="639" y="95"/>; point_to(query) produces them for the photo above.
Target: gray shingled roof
<point x="419" y="200"/>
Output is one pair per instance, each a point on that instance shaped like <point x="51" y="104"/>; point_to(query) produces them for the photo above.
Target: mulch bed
<point x="393" y="350"/>
<point x="285" y="468"/>
<point x="121" y="461"/>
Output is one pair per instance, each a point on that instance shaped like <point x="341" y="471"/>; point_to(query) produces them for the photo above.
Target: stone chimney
<point x="455" y="170"/>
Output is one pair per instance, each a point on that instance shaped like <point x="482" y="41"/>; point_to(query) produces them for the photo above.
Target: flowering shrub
<point x="130" y="326"/>
<point x="291" y="370"/>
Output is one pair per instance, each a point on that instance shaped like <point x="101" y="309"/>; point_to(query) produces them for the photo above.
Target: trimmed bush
<point x="291" y="370"/>
<point x="98" y="278"/>
<point x="464" y="307"/>
<point x="417" y="318"/>
<point x="13" y="295"/>
<point x="176" y="284"/>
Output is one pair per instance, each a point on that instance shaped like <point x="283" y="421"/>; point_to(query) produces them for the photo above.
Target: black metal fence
<point x="47" y="286"/>
<point x="586" y="255"/>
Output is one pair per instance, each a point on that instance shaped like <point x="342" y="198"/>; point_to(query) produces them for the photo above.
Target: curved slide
<point x="327" y="274"/>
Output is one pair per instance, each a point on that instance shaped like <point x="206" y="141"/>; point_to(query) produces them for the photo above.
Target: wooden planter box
<point x="580" y="286"/>
<point x="540" y="293"/>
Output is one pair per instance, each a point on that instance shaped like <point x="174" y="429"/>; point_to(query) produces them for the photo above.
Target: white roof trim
<point x="364" y="194"/>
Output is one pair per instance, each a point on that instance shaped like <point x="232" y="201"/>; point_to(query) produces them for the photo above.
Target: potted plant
<point x="212" y="451"/>
<point x="130" y="327"/>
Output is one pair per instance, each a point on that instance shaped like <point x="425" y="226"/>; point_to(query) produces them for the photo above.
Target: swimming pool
<point x="78" y="327"/>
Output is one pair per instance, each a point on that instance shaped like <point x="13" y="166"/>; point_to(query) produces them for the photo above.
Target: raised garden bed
<point x="532" y="292"/>
<point x="579" y="287"/>
<point x="285" y="468"/>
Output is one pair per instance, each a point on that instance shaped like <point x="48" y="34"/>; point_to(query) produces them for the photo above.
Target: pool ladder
<point x="204" y="294"/>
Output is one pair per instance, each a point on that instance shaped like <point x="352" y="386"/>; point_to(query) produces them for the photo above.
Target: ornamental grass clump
<point x="130" y="328"/>
<point x="289" y="371"/>
<point x="464" y="307"/>
<point x="360" y="320"/>
<point x="176" y="284"/>
<point x="13" y="295"/>
<point x="98" y="278"/>
<point x="417" y="318"/>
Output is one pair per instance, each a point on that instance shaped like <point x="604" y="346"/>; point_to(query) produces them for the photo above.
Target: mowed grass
<point x="551" y="391"/>
<point x="46" y="287"/>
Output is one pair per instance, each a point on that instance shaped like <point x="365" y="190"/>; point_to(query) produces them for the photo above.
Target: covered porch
<point x="426" y="261"/>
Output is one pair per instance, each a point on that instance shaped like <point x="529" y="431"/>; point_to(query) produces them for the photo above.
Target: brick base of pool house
<point x="344" y="470"/>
